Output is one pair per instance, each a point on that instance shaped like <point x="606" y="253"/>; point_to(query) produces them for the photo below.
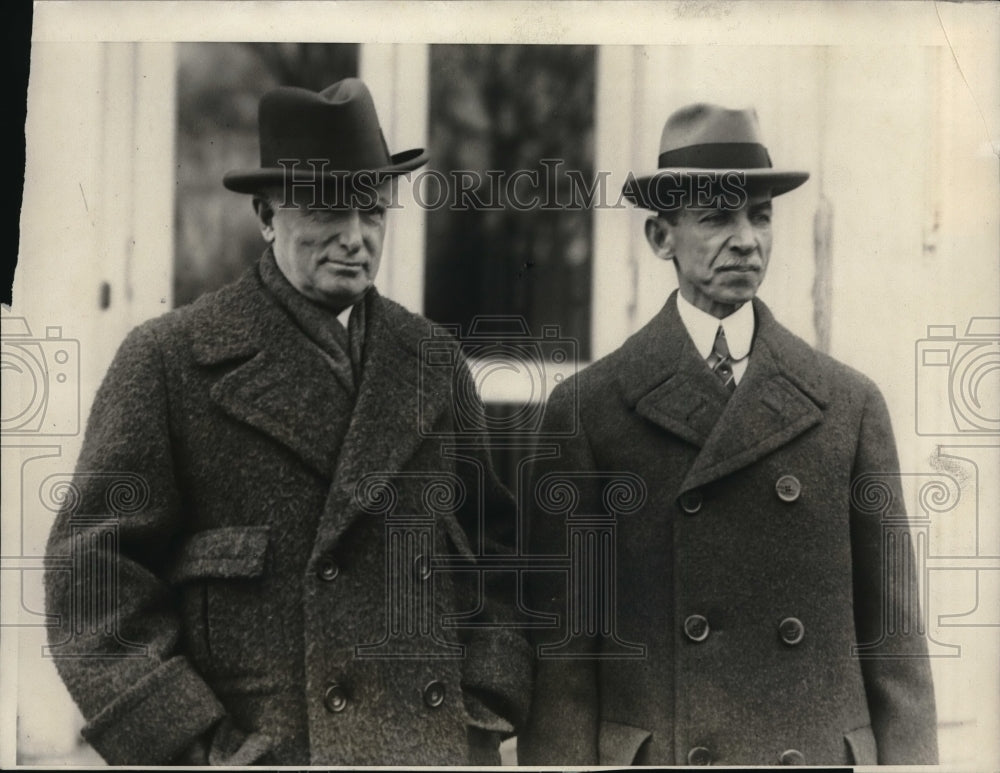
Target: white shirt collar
<point x="345" y="316"/>
<point x="702" y="327"/>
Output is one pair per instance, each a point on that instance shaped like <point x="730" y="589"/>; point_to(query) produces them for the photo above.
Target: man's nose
<point x="349" y="234"/>
<point x="743" y="237"/>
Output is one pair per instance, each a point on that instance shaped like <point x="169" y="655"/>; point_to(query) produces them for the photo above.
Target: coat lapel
<point x="666" y="381"/>
<point x="271" y="378"/>
<point x="781" y="395"/>
<point x="398" y="405"/>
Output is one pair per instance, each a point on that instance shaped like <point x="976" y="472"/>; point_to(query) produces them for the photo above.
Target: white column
<point x="96" y="224"/>
<point x="398" y="76"/>
<point x="153" y="180"/>
<point x="615" y="271"/>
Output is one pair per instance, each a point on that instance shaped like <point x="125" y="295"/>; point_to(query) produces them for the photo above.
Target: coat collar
<point x="398" y="404"/>
<point x="780" y="396"/>
<point x="272" y="379"/>
<point x="266" y="374"/>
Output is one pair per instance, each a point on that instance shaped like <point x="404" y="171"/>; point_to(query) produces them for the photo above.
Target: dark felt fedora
<point x="307" y="135"/>
<point x="710" y="142"/>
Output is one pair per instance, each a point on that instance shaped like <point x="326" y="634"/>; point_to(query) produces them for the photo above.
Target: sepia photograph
<point x="495" y="384"/>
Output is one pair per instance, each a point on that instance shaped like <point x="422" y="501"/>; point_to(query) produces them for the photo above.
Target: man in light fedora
<point x="778" y="623"/>
<point x="274" y="595"/>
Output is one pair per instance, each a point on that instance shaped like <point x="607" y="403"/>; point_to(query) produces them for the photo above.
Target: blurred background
<point x="896" y="231"/>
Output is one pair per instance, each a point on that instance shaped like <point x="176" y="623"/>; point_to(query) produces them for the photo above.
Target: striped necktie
<point x="721" y="362"/>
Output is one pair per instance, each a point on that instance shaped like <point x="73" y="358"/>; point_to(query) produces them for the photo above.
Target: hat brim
<point x="256" y="180"/>
<point x="650" y="191"/>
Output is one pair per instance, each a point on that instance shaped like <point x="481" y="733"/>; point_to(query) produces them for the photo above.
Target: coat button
<point x="690" y="502"/>
<point x="422" y="567"/>
<point x="434" y="694"/>
<point x="335" y="698"/>
<point x="792" y="757"/>
<point x="696" y="628"/>
<point x="788" y="488"/>
<point x="699" y="755"/>
<point x="791" y="630"/>
<point x="327" y="570"/>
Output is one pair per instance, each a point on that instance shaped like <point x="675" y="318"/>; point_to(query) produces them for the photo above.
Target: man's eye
<point x="376" y="212"/>
<point x="761" y="218"/>
<point x="714" y="218"/>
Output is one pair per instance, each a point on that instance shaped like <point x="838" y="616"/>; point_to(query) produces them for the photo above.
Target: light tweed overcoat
<point x="251" y="571"/>
<point x="747" y="594"/>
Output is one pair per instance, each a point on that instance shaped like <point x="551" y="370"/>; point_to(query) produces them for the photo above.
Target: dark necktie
<point x="721" y="362"/>
<point x="341" y="347"/>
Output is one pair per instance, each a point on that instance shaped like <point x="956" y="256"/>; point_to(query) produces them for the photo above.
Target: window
<point x="511" y="124"/>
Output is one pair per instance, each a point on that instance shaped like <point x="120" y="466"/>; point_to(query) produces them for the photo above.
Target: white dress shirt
<point x="345" y="316"/>
<point x="738" y="327"/>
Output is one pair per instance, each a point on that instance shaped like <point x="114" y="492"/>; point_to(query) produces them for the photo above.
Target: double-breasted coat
<point x="747" y="580"/>
<point x="247" y="548"/>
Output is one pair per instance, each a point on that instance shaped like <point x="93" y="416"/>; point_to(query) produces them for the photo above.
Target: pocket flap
<point x="619" y="744"/>
<point x="862" y="746"/>
<point x="233" y="552"/>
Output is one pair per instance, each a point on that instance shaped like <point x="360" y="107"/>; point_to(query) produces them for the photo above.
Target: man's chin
<point x="734" y="297"/>
<point x="738" y="292"/>
<point x="341" y="297"/>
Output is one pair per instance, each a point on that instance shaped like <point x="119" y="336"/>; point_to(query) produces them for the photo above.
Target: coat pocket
<point x="620" y="744"/>
<point x="231" y="746"/>
<point x="233" y="552"/>
<point x="232" y="623"/>
<point x="861" y="746"/>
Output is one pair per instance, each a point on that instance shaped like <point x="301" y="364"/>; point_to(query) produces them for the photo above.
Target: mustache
<point x="751" y="262"/>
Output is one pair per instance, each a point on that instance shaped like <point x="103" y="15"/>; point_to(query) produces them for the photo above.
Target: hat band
<point x="718" y="155"/>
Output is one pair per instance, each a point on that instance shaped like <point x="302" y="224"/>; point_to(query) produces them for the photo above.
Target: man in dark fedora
<point x="770" y="618"/>
<point x="274" y="593"/>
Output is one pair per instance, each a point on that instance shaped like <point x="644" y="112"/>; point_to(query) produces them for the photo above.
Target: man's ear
<point x="660" y="238"/>
<point x="265" y="217"/>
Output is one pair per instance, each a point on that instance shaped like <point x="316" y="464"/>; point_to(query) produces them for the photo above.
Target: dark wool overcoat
<point x="749" y="574"/>
<point x="249" y="553"/>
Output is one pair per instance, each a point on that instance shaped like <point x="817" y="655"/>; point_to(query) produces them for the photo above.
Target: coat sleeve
<point x="893" y="652"/>
<point x="497" y="669"/>
<point x="116" y="642"/>
<point x="562" y="726"/>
